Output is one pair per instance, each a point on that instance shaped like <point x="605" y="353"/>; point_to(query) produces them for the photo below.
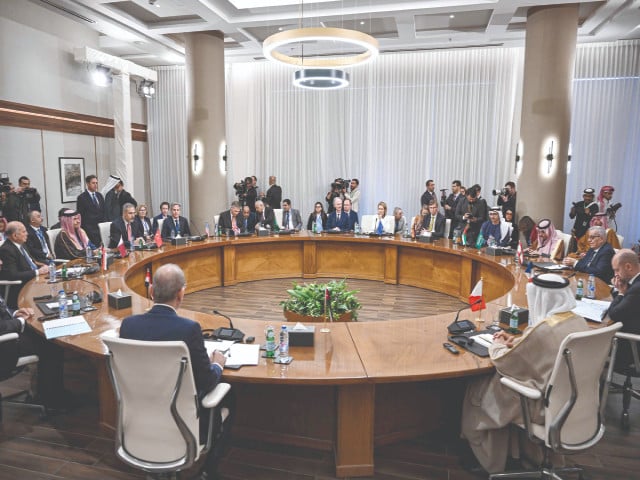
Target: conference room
<point x="487" y="100"/>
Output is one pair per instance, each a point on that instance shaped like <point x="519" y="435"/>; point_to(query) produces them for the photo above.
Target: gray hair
<point x="396" y="210"/>
<point x="127" y="206"/>
<point x="168" y="280"/>
<point x="235" y="204"/>
<point x="600" y="231"/>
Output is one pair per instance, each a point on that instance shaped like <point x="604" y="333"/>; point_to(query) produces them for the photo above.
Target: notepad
<point x="62" y="327"/>
<point x="591" y="309"/>
<point x="237" y="354"/>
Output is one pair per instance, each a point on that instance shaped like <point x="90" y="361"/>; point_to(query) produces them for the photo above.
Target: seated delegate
<point x="597" y="260"/>
<point x="547" y="242"/>
<point x="72" y="241"/>
<point x="318" y="218"/>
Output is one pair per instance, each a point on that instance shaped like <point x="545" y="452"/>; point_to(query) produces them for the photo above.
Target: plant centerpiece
<point x="306" y="302"/>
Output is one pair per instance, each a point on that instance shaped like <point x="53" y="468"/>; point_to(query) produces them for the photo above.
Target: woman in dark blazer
<point x="143" y="222"/>
<point x="318" y="211"/>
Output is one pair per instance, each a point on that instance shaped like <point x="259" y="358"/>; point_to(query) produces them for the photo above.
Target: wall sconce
<point x="569" y="160"/>
<point x="195" y="155"/>
<point x="224" y="158"/>
<point x="146" y="89"/>
<point x="515" y="170"/>
<point x="549" y="157"/>
<point x="101" y="76"/>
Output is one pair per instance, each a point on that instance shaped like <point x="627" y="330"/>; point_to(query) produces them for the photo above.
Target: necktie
<point x="45" y="248"/>
<point x="95" y="199"/>
<point x="129" y="232"/>
<point x="338" y="217"/>
<point x="234" y="225"/>
<point x="380" y="228"/>
<point x="32" y="265"/>
<point x="432" y="223"/>
<point x="286" y="219"/>
<point x="593" y="256"/>
<point x="177" y="223"/>
<point x="246" y="226"/>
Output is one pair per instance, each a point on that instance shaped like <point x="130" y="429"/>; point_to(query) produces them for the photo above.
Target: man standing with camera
<point x="450" y="203"/>
<point x="583" y="212"/>
<point x="354" y="194"/>
<point x="507" y="198"/>
<point x="21" y="200"/>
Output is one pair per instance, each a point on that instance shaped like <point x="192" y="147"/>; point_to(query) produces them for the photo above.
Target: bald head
<point x="168" y="285"/>
<point x="625" y="264"/>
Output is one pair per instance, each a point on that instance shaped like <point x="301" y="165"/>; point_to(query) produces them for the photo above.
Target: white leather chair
<point x="447" y="228"/>
<point x="628" y="371"/>
<point x="11" y="364"/>
<point x="367" y="223"/>
<point x="7" y="286"/>
<point x="160" y="222"/>
<point x="566" y="238"/>
<point x="53" y="234"/>
<point x="157" y="427"/>
<point x="105" y="228"/>
<point x="620" y="240"/>
<point x="574" y="400"/>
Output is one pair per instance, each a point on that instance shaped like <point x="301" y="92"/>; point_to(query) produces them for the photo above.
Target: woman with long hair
<point x="72" y="241"/>
<point x="143" y="222"/>
<point x="318" y="215"/>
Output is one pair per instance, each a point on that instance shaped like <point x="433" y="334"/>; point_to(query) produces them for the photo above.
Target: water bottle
<point x="356" y="228"/>
<point x="63" y="308"/>
<point x="514" y="320"/>
<point x="52" y="271"/>
<point x="89" y="254"/>
<point x="580" y="290"/>
<point x="407" y="231"/>
<point x="64" y="271"/>
<point x="313" y="228"/>
<point x="591" y="287"/>
<point x="284" y="342"/>
<point x="216" y="228"/>
<point x="270" y="346"/>
<point x="206" y="229"/>
<point x="75" y="304"/>
<point x="491" y="241"/>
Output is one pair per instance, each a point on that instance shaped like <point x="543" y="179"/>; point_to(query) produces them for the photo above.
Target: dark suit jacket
<point x="162" y="323"/>
<point x="598" y="264"/>
<point x="427" y="197"/>
<point x="333" y="222"/>
<point x="274" y="196"/>
<point x="353" y="219"/>
<point x="295" y="217"/>
<point x="113" y="204"/>
<point x="14" y="267"/>
<point x="118" y="230"/>
<point x="312" y="220"/>
<point x="155" y="222"/>
<point x="140" y="225"/>
<point x="269" y="218"/>
<point x="35" y="246"/>
<point x="8" y="324"/>
<point x="248" y="224"/>
<point x="169" y="225"/>
<point x="439" y="225"/>
<point x="92" y="215"/>
<point x="224" y="221"/>
<point x="625" y="308"/>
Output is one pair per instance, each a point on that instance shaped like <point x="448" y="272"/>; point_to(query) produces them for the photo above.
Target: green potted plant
<point x="306" y="302"/>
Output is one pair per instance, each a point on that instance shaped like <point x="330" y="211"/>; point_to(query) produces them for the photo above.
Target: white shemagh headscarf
<point x="112" y="181"/>
<point x="554" y="297"/>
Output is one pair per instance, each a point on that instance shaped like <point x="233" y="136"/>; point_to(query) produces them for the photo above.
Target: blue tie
<point x="45" y="249"/>
<point x="380" y="228"/>
<point x="32" y="265"/>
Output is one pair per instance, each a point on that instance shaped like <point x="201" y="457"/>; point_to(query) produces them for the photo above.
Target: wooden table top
<point x="381" y="352"/>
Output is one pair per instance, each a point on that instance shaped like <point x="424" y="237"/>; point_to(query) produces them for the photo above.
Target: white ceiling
<point x="150" y="35"/>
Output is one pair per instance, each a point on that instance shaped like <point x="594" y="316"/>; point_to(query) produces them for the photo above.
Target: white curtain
<point x="404" y="119"/>
<point x="167" y="114"/>
<point x="605" y="130"/>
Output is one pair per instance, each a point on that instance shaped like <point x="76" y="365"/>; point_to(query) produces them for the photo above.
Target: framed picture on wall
<point x="71" y="178"/>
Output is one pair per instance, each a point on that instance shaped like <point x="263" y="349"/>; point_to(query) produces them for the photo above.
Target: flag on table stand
<point x="103" y="260"/>
<point x="520" y="254"/>
<point x="122" y="249"/>
<point x="476" y="299"/>
<point x="158" y="238"/>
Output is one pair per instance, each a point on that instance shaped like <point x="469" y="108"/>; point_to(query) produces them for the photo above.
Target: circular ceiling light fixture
<point x="321" y="79"/>
<point x="367" y="43"/>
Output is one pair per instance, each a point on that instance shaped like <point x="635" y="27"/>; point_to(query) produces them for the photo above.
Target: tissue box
<point x="301" y="337"/>
<point x="425" y="238"/>
<point x="263" y="232"/>
<point x="523" y="315"/>
<point x="179" y="241"/>
<point x="119" y="301"/>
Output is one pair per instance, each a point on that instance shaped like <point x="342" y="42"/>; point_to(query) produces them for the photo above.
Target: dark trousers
<point x="50" y="383"/>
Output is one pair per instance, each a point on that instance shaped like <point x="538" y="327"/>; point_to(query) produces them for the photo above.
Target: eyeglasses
<point x="591" y="237"/>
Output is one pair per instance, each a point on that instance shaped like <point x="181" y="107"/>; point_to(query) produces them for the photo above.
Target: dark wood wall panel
<point x="40" y="118"/>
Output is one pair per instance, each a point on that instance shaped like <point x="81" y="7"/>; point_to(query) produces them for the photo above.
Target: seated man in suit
<point x="264" y="216"/>
<point x="125" y="230"/>
<point x="353" y="215"/>
<point x="495" y="229"/>
<point x="38" y="242"/>
<point x="175" y="225"/>
<point x="162" y="323"/>
<point x="489" y="408"/>
<point x="337" y="219"/>
<point x="230" y="221"/>
<point x="291" y="219"/>
<point x="626" y="301"/>
<point x="18" y="264"/>
<point x="248" y="220"/>
<point x="597" y="260"/>
<point x="164" y="213"/>
<point x="434" y="221"/>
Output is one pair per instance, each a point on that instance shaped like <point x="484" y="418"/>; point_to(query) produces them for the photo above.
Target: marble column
<point x="123" y="159"/>
<point x="205" y="81"/>
<point x="546" y="111"/>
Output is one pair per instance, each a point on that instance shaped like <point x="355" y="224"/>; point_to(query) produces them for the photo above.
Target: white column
<point x="122" y="164"/>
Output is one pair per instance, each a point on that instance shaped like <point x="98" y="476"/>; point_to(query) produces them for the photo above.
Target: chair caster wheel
<point x="624" y="421"/>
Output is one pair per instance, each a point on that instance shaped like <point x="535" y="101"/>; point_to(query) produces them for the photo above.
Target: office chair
<point x="632" y="370"/>
<point x="157" y="427"/>
<point x="11" y="364"/>
<point x="574" y="400"/>
<point x="105" y="232"/>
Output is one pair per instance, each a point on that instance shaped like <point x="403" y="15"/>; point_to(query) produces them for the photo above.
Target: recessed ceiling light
<point x="452" y="16"/>
<point x="279" y="29"/>
<point x="362" y="22"/>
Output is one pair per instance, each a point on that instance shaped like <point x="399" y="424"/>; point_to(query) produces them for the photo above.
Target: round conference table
<point x="363" y="384"/>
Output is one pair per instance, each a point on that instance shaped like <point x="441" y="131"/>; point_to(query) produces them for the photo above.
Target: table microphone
<point x="224" y="316"/>
<point x="464" y="325"/>
<point x="230" y="333"/>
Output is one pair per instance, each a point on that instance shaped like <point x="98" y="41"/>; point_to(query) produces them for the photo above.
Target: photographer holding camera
<point x="507" y="197"/>
<point x="338" y="190"/>
<point x="607" y="207"/>
<point x="21" y="200"/>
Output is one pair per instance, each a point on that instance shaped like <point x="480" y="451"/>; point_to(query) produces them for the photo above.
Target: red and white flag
<point x="158" y="238"/>
<point x="103" y="260"/>
<point x="476" y="299"/>
<point x="122" y="249"/>
<point x="520" y="254"/>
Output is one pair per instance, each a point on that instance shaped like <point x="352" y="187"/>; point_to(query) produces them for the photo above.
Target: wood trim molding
<point x="21" y="115"/>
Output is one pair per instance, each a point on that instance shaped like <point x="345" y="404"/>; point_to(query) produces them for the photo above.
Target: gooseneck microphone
<point x="224" y="316"/>
<point x="458" y="325"/>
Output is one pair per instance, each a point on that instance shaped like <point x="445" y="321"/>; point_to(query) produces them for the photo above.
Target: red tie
<point x="129" y="232"/>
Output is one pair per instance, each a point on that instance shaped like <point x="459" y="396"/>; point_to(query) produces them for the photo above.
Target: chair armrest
<point x="27" y="360"/>
<point x="523" y="390"/>
<point x="628" y="336"/>
<point x="10" y="282"/>
<point x="60" y="261"/>
<point x="215" y="396"/>
<point x="7" y="337"/>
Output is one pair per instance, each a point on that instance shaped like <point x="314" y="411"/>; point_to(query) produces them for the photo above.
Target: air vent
<point x="67" y="11"/>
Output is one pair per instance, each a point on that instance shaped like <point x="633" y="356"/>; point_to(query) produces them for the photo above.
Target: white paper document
<point x="237" y="353"/>
<point x="62" y="327"/>
<point x="591" y="309"/>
